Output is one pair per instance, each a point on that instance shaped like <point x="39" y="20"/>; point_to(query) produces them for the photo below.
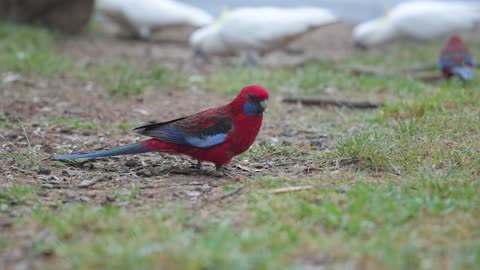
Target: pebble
<point x="51" y="179"/>
<point x="144" y="172"/>
<point x="86" y="132"/>
<point x="43" y="170"/>
<point x="69" y="173"/>
<point x="157" y="171"/>
<point x="131" y="163"/>
<point x="194" y="193"/>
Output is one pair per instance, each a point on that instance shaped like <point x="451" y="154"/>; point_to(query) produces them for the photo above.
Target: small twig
<point x="89" y="183"/>
<point x="419" y="68"/>
<point x="26" y="136"/>
<point x="52" y="186"/>
<point x="323" y="101"/>
<point x="397" y="171"/>
<point x="272" y="154"/>
<point x="231" y="193"/>
<point x="427" y="76"/>
<point x="288" y="189"/>
<point x="363" y="70"/>
<point x="424" y="72"/>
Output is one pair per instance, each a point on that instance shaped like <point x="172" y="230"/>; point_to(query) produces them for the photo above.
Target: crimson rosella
<point x="215" y="135"/>
<point x="455" y="59"/>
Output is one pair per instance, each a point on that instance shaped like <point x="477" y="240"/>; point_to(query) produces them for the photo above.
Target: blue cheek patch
<point x="251" y="108"/>
<point x="206" y="141"/>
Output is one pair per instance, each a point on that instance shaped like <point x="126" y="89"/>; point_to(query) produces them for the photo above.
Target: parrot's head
<point x="455" y="41"/>
<point x="252" y="100"/>
<point x="454" y="45"/>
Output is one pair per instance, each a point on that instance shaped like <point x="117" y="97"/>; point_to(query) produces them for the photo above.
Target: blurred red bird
<point x="215" y="135"/>
<point x="455" y="59"/>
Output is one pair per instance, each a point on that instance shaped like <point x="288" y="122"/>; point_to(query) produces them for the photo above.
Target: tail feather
<point x="131" y="149"/>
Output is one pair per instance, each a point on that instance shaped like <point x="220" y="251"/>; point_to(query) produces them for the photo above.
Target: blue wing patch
<point x="466" y="73"/>
<point x="201" y="137"/>
<point x="206" y="141"/>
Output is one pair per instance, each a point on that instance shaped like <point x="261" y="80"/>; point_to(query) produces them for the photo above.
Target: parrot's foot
<point x="222" y="171"/>
<point x="197" y="166"/>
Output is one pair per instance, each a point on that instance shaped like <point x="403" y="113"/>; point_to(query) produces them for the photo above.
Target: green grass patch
<point x="15" y="195"/>
<point x="386" y="225"/>
<point x="28" y="49"/>
<point x="4" y="122"/>
<point x="441" y="141"/>
<point x="124" y="79"/>
<point x="74" y="123"/>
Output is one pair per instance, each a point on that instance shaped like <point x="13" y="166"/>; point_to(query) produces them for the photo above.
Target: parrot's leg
<point x="199" y="165"/>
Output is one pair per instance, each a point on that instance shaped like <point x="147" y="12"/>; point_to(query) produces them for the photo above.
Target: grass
<point x="123" y="79"/>
<point x="4" y="122"/>
<point x="400" y="192"/>
<point x="26" y="49"/>
<point x="383" y="224"/>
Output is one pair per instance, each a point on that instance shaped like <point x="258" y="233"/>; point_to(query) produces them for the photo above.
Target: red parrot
<point x="455" y="59"/>
<point x="215" y="135"/>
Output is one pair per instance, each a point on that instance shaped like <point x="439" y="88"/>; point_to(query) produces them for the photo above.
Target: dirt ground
<point x="161" y="178"/>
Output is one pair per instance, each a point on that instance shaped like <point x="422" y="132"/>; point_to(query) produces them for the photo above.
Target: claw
<point x="222" y="171"/>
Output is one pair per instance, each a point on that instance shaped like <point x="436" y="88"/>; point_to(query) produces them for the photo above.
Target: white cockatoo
<point x="141" y="17"/>
<point x="252" y="31"/>
<point x="422" y="20"/>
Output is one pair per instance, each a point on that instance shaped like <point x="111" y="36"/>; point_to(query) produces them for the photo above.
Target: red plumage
<point x="456" y="59"/>
<point x="244" y="129"/>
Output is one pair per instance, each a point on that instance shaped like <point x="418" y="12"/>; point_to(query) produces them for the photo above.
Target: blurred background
<point x="350" y="10"/>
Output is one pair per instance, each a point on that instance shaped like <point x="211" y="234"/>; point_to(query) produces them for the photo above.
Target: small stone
<point x="317" y="143"/>
<point x="84" y="199"/>
<point x="123" y="169"/>
<point x="157" y="171"/>
<point x="144" y="172"/>
<point x="111" y="198"/>
<point x="205" y="187"/>
<point x="69" y="173"/>
<point x="47" y="186"/>
<point x="194" y="193"/>
<point x="43" y="170"/>
<point x="42" y="193"/>
<point x="52" y="179"/>
<point x="131" y="163"/>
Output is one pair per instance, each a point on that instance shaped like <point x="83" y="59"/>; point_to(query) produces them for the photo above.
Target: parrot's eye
<point x="252" y="97"/>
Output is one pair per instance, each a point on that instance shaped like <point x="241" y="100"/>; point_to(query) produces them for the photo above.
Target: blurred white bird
<point x="422" y="20"/>
<point x="252" y="31"/>
<point x="142" y="17"/>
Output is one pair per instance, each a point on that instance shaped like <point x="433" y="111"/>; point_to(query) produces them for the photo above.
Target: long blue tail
<point x="131" y="149"/>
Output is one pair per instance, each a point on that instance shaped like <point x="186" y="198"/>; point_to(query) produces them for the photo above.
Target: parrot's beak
<point x="264" y="104"/>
